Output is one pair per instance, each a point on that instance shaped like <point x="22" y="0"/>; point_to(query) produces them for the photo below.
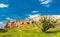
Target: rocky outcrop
<point x="9" y="24"/>
<point x="30" y="21"/>
<point x="27" y="21"/>
<point x="18" y="23"/>
<point x="23" y="22"/>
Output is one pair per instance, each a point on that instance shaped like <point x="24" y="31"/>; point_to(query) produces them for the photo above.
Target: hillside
<point x="39" y="26"/>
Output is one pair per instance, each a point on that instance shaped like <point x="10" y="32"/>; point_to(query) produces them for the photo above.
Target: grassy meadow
<point x="29" y="30"/>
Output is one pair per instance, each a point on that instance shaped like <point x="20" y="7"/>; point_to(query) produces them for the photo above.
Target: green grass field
<point x="29" y="31"/>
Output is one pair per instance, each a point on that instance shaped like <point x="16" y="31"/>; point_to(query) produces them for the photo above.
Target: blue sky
<point x="20" y="9"/>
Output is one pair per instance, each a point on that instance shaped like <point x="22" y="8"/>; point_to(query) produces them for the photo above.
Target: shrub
<point x="46" y="24"/>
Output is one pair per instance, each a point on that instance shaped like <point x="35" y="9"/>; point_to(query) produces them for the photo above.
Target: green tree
<point x="46" y="24"/>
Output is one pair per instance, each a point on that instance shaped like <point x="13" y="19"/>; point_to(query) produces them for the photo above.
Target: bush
<point x="46" y="24"/>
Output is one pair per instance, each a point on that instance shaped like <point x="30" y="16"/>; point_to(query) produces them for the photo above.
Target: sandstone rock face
<point x="18" y="23"/>
<point x="30" y="21"/>
<point x="23" y="22"/>
<point x="37" y="18"/>
<point x="9" y="24"/>
<point x="48" y="17"/>
<point x="26" y="21"/>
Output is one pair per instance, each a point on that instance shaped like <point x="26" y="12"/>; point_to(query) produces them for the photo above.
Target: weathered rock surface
<point x="9" y="24"/>
<point x="27" y="21"/>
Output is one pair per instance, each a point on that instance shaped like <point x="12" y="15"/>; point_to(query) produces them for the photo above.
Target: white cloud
<point x="35" y="11"/>
<point x="55" y="16"/>
<point x="3" y="5"/>
<point x="32" y="16"/>
<point x="45" y="2"/>
<point x="8" y="18"/>
<point x="1" y="23"/>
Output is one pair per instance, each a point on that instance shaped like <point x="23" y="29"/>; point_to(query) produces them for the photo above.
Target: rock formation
<point x="9" y="24"/>
<point x="30" y="21"/>
<point x="18" y="23"/>
<point x="23" y="22"/>
<point x="27" y="21"/>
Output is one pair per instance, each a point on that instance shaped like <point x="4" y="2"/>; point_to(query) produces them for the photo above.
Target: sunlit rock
<point x="9" y="24"/>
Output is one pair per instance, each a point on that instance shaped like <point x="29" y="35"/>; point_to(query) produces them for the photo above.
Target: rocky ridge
<point x="26" y="21"/>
